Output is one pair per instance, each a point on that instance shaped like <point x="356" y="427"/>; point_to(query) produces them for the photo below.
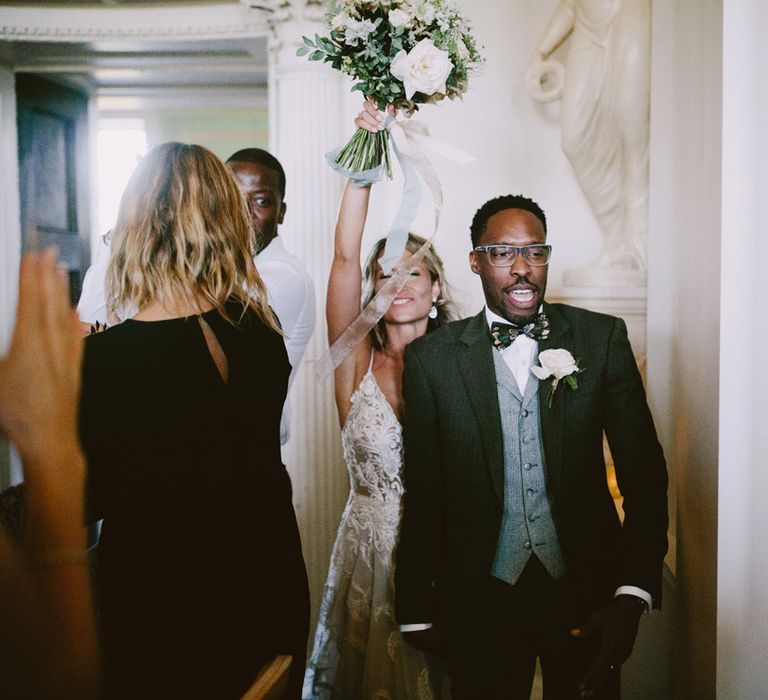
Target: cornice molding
<point x="277" y="11"/>
<point x="213" y="21"/>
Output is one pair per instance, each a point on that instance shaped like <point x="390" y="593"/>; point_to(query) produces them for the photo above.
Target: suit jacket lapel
<point x="553" y="418"/>
<point x="479" y="375"/>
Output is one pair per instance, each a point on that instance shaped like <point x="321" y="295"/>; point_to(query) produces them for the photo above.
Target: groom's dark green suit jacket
<point x="454" y="467"/>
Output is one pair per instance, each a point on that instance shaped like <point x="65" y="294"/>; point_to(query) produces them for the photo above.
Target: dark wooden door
<point x="52" y="123"/>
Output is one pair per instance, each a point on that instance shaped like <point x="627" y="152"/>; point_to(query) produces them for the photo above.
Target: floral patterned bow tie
<point x="502" y="334"/>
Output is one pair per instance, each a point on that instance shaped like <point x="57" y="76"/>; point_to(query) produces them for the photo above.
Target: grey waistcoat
<point x="527" y="525"/>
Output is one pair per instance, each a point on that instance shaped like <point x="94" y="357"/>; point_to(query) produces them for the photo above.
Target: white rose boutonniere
<point x="558" y="364"/>
<point x="424" y="69"/>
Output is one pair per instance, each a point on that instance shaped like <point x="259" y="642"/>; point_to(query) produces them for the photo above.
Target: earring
<point x="432" y="310"/>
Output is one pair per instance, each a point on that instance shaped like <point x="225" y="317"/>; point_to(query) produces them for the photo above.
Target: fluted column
<point x="10" y="244"/>
<point x="305" y="105"/>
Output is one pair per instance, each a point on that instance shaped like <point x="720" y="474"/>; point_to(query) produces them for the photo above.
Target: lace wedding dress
<point x="359" y="652"/>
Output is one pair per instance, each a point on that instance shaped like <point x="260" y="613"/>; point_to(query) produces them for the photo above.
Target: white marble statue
<point x="604" y="121"/>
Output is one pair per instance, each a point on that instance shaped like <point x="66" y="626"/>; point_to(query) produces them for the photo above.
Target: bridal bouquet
<point x="400" y="52"/>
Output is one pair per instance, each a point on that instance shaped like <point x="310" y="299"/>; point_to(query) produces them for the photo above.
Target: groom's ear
<point x="474" y="263"/>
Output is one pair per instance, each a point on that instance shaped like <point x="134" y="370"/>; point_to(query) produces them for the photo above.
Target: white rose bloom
<point x="425" y="68"/>
<point x="555" y="363"/>
<point x="358" y="30"/>
<point x="398" y="18"/>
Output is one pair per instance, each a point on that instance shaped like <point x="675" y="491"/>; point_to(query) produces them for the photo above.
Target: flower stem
<point x="366" y="150"/>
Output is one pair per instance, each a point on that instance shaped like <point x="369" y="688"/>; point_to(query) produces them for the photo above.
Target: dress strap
<point x="370" y="362"/>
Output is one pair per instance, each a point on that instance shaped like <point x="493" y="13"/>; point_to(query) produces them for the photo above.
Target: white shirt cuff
<point x="637" y="592"/>
<point x="416" y="627"/>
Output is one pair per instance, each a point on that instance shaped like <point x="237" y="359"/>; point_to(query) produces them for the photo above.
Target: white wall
<point x="684" y="286"/>
<point x="742" y="583"/>
<point x="10" y="232"/>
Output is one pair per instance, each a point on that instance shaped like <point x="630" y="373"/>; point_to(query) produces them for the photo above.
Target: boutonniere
<point x="558" y="364"/>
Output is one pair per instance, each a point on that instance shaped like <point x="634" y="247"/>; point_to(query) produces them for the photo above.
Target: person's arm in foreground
<point x="46" y="609"/>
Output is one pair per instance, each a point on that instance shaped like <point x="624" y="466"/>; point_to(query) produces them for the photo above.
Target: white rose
<point x="425" y="68"/>
<point x="398" y="18"/>
<point x="555" y="363"/>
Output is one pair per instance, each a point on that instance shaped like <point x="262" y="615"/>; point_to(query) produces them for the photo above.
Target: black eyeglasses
<point x="505" y="255"/>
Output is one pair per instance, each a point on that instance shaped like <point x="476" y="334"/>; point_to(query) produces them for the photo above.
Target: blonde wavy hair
<point x="446" y="309"/>
<point x="183" y="235"/>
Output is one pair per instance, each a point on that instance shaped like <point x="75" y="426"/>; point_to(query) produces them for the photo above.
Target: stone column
<point x="306" y="107"/>
<point x="10" y="245"/>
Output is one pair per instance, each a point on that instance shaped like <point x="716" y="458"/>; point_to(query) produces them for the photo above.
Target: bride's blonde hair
<point x="183" y="235"/>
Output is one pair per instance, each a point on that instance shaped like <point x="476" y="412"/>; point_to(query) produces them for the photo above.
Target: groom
<point x="510" y="545"/>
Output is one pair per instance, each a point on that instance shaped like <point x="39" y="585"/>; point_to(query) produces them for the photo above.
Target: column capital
<point x="288" y="21"/>
<point x="277" y="12"/>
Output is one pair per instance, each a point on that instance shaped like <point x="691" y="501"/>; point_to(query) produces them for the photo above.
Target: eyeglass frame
<point x="518" y="249"/>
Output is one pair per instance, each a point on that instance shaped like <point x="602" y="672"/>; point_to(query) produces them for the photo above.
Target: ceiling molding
<point x="114" y="101"/>
<point x="214" y="21"/>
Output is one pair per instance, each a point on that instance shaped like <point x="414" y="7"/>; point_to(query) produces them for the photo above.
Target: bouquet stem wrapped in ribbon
<point x="365" y="151"/>
<point x="404" y="53"/>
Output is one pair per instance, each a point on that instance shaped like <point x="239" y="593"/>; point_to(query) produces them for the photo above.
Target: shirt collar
<point x="491" y="317"/>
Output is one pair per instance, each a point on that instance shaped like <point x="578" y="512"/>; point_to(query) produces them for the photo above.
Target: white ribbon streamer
<point x="410" y="138"/>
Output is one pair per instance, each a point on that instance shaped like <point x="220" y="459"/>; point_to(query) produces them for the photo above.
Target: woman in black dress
<point x="200" y="575"/>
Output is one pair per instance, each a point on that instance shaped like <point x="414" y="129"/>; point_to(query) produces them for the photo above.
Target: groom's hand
<point x="616" y="626"/>
<point x="427" y="640"/>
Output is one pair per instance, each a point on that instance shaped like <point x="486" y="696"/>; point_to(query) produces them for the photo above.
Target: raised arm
<point x="343" y="301"/>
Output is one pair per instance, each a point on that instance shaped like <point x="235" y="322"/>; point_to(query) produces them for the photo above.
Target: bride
<point x="359" y="652"/>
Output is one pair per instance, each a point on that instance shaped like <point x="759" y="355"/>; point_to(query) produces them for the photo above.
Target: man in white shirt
<point x="289" y="286"/>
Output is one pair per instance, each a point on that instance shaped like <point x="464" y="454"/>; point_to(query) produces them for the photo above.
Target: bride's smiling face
<point x="416" y="297"/>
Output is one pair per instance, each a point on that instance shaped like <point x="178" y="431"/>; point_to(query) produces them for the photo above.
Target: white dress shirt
<point x="92" y="306"/>
<point x="292" y="297"/>
<point x="520" y="355"/>
<point x="289" y="288"/>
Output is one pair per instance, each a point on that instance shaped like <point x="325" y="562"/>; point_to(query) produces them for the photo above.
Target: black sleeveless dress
<point x="200" y="575"/>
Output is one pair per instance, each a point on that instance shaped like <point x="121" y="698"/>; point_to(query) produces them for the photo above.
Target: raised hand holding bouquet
<point x="399" y="52"/>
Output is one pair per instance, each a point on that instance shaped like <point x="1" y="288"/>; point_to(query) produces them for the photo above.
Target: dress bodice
<point x="372" y="439"/>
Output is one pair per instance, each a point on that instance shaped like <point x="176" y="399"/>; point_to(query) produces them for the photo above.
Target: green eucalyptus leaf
<point x="317" y="56"/>
<point x="302" y="51"/>
<point x="308" y="41"/>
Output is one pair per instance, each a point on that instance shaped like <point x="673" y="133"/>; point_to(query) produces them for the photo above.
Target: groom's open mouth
<point x="522" y="296"/>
